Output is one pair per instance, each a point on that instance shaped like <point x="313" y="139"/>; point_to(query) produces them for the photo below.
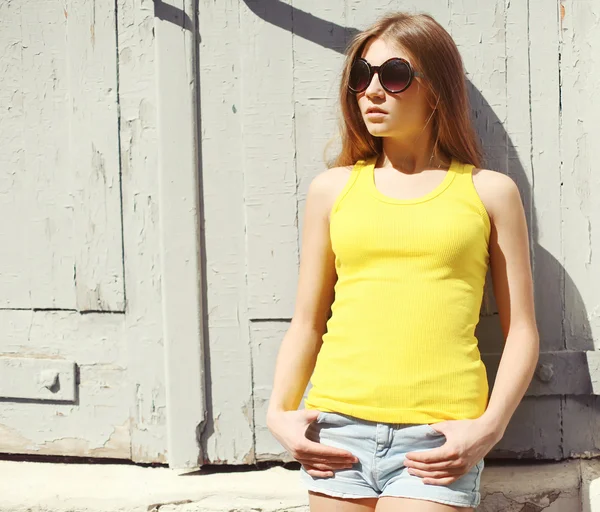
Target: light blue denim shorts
<point x="380" y="471"/>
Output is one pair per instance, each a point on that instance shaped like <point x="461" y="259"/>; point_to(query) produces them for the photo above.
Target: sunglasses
<point x="395" y="75"/>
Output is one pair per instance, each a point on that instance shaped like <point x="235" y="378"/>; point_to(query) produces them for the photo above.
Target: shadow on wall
<point x="553" y="287"/>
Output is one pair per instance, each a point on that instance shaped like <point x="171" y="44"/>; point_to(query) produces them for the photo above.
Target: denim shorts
<point x="380" y="471"/>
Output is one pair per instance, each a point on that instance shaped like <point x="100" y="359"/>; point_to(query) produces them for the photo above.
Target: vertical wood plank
<point x="580" y="181"/>
<point x="177" y="82"/>
<point x="265" y="340"/>
<point x="545" y="158"/>
<point x="515" y="134"/>
<point x="139" y="145"/>
<point x="546" y="193"/>
<point x="94" y="152"/>
<point x="269" y="146"/>
<point x="580" y="186"/>
<point x="228" y="435"/>
<point x="14" y="261"/>
<point x="317" y="73"/>
<point x="35" y="184"/>
<point x="481" y="39"/>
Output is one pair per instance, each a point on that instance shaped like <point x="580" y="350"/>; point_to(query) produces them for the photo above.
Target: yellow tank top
<point x="400" y="344"/>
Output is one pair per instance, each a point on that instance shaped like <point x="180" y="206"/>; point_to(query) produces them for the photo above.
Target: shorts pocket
<point x="478" y="468"/>
<point x="433" y="431"/>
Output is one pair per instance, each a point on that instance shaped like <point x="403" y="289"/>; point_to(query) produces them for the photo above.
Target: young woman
<point x="396" y="244"/>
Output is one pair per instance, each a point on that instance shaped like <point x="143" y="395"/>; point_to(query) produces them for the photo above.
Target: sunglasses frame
<point x="376" y="69"/>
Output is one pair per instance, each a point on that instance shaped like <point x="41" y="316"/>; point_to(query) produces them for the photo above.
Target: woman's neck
<point x="410" y="156"/>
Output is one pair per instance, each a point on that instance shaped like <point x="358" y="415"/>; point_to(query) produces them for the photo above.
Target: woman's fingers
<point x="318" y="452"/>
<point x="325" y="466"/>
<point x="318" y="473"/>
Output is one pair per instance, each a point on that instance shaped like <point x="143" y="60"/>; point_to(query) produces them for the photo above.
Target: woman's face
<point x="407" y="112"/>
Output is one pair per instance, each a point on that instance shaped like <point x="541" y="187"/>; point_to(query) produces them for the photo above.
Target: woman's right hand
<point x="319" y="460"/>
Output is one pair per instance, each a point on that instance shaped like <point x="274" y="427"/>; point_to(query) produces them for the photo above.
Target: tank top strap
<point x="364" y="171"/>
<point x="465" y="187"/>
<point x="358" y="180"/>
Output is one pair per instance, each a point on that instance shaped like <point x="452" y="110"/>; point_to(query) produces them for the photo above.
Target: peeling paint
<point x="117" y="445"/>
<point x="84" y="268"/>
<point x="530" y="503"/>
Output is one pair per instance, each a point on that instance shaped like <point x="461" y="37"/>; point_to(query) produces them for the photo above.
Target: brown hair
<point x="435" y="54"/>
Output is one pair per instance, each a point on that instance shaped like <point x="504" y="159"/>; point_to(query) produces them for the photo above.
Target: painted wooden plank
<point x="97" y="422"/>
<point x="37" y="379"/>
<point x="94" y="155"/>
<point x="534" y="431"/>
<point x="561" y="372"/>
<point x="35" y="187"/>
<point x="481" y="39"/>
<point x="546" y="187"/>
<point x="14" y="289"/>
<point x="143" y="328"/>
<point x="579" y="181"/>
<point x="517" y="137"/>
<point x="546" y="193"/>
<point x="228" y="435"/>
<point x="318" y="62"/>
<point x="580" y="185"/>
<point x="179" y="199"/>
<point x="269" y="160"/>
<point x="581" y="427"/>
<point x="65" y="142"/>
<point x="265" y="340"/>
<point x="85" y="339"/>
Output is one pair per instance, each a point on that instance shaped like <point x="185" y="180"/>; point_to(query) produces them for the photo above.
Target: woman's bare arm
<point x="513" y="290"/>
<point x="302" y="342"/>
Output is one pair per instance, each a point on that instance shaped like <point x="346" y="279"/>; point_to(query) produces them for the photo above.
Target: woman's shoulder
<point x="331" y="181"/>
<point x="496" y="190"/>
<point x="326" y="186"/>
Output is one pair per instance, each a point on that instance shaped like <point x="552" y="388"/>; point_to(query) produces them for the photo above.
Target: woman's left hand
<point x="467" y="442"/>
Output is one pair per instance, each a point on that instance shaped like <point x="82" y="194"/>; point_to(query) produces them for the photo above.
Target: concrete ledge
<point x="39" y="486"/>
<point x="570" y="486"/>
<point x="552" y="487"/>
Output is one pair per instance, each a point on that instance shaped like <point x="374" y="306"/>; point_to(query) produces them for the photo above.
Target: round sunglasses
<point x="395" y="75"/>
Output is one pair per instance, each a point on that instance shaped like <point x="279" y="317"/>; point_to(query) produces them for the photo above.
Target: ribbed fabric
<point x="400" y="344"/>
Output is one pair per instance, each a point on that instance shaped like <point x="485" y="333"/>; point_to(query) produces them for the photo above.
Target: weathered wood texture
<point x="80" y="206"/>
<point x="579" y="212"/>
<point x="143" y="322"/>
<point x="228" y="436"/>
<point x="61" y="158"/>
<point x="291" y="57"/>
<point x="81" y="193"/>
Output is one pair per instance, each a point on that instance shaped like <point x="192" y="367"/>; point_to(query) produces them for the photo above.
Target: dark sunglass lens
<point x="395" y="75"/>
<point x="359" y="76"/>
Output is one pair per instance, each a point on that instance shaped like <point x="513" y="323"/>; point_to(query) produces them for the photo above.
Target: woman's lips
<point x="375" y="110"/>
<point x="375" y="114"/>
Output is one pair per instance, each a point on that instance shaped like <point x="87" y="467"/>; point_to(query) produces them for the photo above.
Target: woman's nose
<point x="375" y="88"/>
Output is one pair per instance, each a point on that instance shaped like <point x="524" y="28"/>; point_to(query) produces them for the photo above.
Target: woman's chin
<point x="378" y="129"/>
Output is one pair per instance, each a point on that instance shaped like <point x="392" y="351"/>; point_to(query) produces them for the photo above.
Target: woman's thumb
<point x="311" y="414"/>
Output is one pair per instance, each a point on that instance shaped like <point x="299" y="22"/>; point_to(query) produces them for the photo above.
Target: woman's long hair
<point x="434" y="53"/>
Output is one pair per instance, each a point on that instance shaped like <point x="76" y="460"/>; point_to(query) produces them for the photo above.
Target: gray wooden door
<point x="269" y="74"/>
<point x="62" y="290"/>
<point x="99" y="301"/>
